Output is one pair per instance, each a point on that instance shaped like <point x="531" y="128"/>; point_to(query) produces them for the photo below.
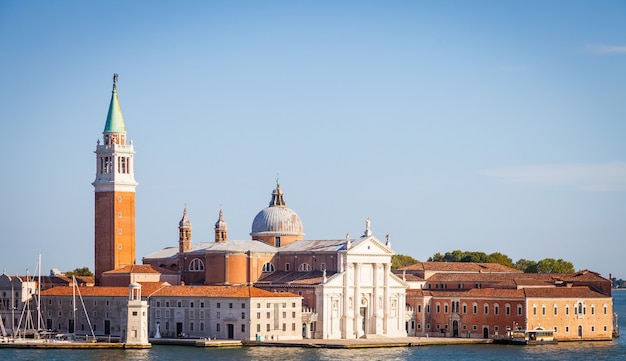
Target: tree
<point x="550" y="265"/>
<point x="527" y="266"/>
<point x="500" y="258"/>
<point x="84" y="271"/>
<point x="400" y="260"/>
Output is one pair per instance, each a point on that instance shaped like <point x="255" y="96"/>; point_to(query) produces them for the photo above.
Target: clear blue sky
<point x="474" y="125"/>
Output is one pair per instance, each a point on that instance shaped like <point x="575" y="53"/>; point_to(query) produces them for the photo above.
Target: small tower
<point x="184" y="233"/>
<point x="137" y="319"/>
<point x="114" y="189"/>
<point x="221" y="229"/>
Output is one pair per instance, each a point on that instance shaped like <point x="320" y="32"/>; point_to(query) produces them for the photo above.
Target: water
<point x="567" y="351"/>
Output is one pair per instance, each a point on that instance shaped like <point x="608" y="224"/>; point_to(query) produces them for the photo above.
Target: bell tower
<point x="114" y="189"/>
<point x="184" y="233"/>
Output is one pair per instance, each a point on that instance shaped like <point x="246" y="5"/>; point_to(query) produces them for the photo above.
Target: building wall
<point x="201" y="317"/>
<point x="114" y="231"/>
<point x="595" y="322"/>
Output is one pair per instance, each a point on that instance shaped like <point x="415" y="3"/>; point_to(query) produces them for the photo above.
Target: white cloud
<point x="607" y="49"/>
<point x="602" y="177"/>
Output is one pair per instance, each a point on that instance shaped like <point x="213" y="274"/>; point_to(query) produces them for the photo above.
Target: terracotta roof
<point x="219" y="291"/>
<point x="96" y="291"/>
<point x="459" y="267"/>
<point x="158" y="289"/>
<point x="139" y="268"/>
<point x="478" y="293"/>
<point x="563" y="292"/>
<point x="293" y="278"/>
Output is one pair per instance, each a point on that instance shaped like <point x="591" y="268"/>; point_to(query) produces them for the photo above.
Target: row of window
<point x="462" y="308"/>
<point x="496" y="328"/>
<point x="445" y="285"/>
<point x="579" y="309"/>
<point x="192" y="304"/>
<point x="304" y="267"/>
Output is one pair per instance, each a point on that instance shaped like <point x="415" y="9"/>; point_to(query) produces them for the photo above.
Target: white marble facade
<point x="365" y="299"/>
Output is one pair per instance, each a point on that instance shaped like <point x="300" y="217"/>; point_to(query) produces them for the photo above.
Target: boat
<point x="537" y="336"/>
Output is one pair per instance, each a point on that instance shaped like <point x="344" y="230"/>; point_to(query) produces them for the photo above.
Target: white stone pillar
<point x="386" y="299"/>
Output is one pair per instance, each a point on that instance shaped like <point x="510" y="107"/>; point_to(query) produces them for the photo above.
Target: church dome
<point x="277" y="219"/>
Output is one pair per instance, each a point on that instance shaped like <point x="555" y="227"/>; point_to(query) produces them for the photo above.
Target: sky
<point x="490" y="126"/>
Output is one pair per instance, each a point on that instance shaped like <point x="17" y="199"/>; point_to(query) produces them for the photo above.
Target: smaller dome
<point x="134" y="285"/>
<point x="184" y="222"/>
<point x="221" y="223"/>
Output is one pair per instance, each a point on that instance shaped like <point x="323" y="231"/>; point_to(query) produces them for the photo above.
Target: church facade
<point x="347" y="287"/>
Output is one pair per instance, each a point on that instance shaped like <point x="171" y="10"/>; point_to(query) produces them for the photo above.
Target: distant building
<point x="487" y="300"/>
<point x="224" y="312"/>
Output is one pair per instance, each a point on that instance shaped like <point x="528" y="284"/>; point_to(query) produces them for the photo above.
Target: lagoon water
<point x="569" y="351"/>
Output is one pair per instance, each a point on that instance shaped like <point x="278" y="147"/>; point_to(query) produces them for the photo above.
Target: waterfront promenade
<point x="372" y="342"/>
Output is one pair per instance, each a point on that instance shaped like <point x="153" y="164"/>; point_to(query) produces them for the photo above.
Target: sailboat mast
<point x="39" y="293"/>
<point x="74" y="302"/>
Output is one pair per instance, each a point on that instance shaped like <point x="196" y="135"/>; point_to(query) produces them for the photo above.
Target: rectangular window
<point x="293" y="315"/>
<point x="243" y="327"/>
<point x="201" y="326"/>
<point x="286" y="267"/>
<point x="258" y="315"/>
<point x="158" y="303"/>
<point x="284" y="314"/>
<point x="475" y="309"/>
<point x="230" y="305"/>
<point x="179" y="304"/>
<point x="285" y="327"/>
<point x="217" y="327"/>
<point x="243" y="315"/>
<point x="445" y="308"/>
<point x="258" y="327"/>
<point x="267" y="327"/>
<point x="486" y="309"/>
<point x="243" y="305"/>
<point x="507" y="310"/>
<point x="218" y="315"/>
<point x="201" y="304"/>
<point x="191" y="304"/>
<point x="218" y="305"/>
<point x="496" y="310"/>
<point x="190" y="326"/>
<point x="268" y="315"/>
<point x="293" y="305"/>
<point x="157" y="313"/>
<point x="556" y="310"/>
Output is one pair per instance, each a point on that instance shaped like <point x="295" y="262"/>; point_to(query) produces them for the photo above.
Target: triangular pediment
<point x="369" y="246"/>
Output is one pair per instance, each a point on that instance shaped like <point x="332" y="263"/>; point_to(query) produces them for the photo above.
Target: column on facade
<point x="345" y="319"/>
<point x="386" y="299"/>
<point x="357" y="298"/>
<point x="375" y="296"/>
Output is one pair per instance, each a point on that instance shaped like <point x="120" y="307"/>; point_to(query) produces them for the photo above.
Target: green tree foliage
<point x="550" y="265"/>
<point x="84" y="271"/>
<point x="546" y="265"/>
<point x="400" y="260"/>
<point x="526" y="265"/>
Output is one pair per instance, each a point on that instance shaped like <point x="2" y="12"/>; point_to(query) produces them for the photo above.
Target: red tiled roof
<point x="158" y="289"/>
<point x="563" y="292"/>
<point x="459" y="267"/>
<point x="139" y="268"/>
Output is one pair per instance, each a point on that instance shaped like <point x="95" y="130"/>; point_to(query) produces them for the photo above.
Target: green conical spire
<point x="115" y="120"/>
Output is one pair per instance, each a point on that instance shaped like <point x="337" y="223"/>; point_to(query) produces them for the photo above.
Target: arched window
<point x="268" y="267"/>
<point x="196" y="265"/>
<point x="304" y="267"/>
